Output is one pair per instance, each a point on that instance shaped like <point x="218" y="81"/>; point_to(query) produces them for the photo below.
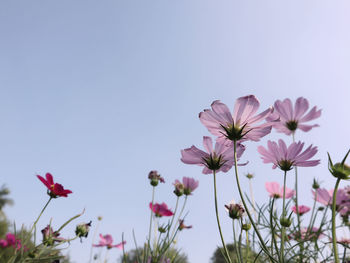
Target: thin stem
<point x="150" y="224"/>
<point x="42" y="211"/>
<point x="297" y="205"/>
<point x="283" y="215"/>
<point x="218" y="221"/>
<point x="247" y="246"/>
<point x="253" y="199"/>
<point x="235" y="242"/>
<point x="178" y="218"/>
<point x="262" y="243"/>
<point x="273" y="241"/>
<point x="334" y="237"/>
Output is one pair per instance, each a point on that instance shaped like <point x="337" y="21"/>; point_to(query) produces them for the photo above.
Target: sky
<point x="99" y="93"/>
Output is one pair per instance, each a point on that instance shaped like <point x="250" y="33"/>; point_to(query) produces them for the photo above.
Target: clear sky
<point x="101" y="92"/>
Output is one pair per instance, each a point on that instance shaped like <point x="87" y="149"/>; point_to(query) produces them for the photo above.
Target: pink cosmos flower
<point x="219" y="159"/>
<point x="286" y="158"/>
<point x="275" y="191"/>
<point x="291" y="118"/>
<point x="242" y="125"/>
<point x="190" y="184"/>
<point x="325" y="196"/>
<point x="302" y="209"/>
<point x="54" y="188"/>
<point x="160" y="209"/>
<point x="107" y="241"/>
<point x="307" y="234"/>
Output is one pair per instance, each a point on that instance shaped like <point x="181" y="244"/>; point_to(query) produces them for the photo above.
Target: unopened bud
<point x="315" y="184"/>
<point x="286" y="222"/>
<point x="339" y="170"/>
<point x="246" y="227"/>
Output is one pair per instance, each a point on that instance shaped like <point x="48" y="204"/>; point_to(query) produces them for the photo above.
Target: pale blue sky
<point x="101" y="92"/>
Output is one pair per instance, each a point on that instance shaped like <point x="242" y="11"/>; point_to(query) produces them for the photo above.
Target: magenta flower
<point x="55" y="189"/>
<point x="301" y="208"/>
<point x="11" y="241"/>
<point x="286" y="158"/>
<point x="291" y="118"/>
<point x="242" y="125"/>
<point x="219" y="159"/>
<point x="275" y="191"/>
<point x="160" y="209"/>
<point x="107" y="241"/>
<point x="50" y="236"/>
<point x="307" y="234"/>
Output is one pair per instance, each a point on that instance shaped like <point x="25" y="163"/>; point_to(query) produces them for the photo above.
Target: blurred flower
<point x="286" y="158"/>
<point x="219" y="159"/>
<point x="325" y="196"/>
<point x="154" y="178"/>
<point x="235" y="211"/>
<point x="293" y="119"/>
<point x="301" y="208"/>
<point x="182" y="225"/>
<point x="242" y="125"/>
<point x="11" y="241"/>
<point x="54" y="189"/>
<point x="306" y="234"/>
<point x="82" y="230"/>
<point x="275" y="191"/>
<point x="50" y="236"/>
<point x="107" y="241"/>
<point x="160" y="209"/>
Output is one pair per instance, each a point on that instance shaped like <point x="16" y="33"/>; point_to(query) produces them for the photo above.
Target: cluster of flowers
<point x="232" y="131"/>
<point x="158" y="253"/>
<point x="24" y="250"/>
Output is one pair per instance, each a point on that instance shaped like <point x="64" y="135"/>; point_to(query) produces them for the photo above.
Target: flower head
<point x="82" y="230"/>
<point x="219" y="159"/>
<point x="107" y="241"/>
<point x="325" y="197"/>
<point x="155" y="178"/>
<point x="291" y="119"/>
<point x="242" y="125"/>
<point x="190" y="184"/>
<point x="275" y="191"/>
<point x="286" y="158"/>
<point x="160" y="209"/>
<point x="301" y="208"/>
<point x="50" y="236"/>
<point x="54" y="189"/>
<point x="179" y="188"/>
<point x="307" y="234"/>
<point x="235" y="211"/>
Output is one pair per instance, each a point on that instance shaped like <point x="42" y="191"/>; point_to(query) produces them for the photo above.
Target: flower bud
<point x="162" y="229"/>
<point x="82" y="230"/>
<point x="339" y="170"/>
<point x="315" y="184"/>
<point x="246" y="226"/>
<point x="249" y="176"/>
<point x="286" y="222"/>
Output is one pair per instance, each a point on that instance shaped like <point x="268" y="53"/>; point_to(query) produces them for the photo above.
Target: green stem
<point x="235" y="242"/>
<point x="218" y="221"/>
<point x="150" y="225"/>
<point x="297" y="206"/>
<point x="247" y="246"/>
<point x="283" y="215"/>
<point x="334" y="237"/>
<point x="42" y="211"/>
<point x="262" y="243"/>
<point x="173" y="234"/>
